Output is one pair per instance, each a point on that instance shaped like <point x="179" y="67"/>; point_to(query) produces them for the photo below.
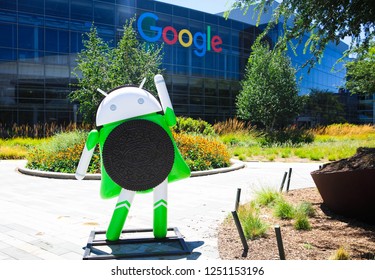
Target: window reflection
<point x="41" y="38"/>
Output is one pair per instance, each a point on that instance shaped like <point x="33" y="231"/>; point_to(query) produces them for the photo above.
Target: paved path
<point x="43" y="218"/>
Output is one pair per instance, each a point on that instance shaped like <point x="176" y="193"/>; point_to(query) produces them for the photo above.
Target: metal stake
<point x="237" y="199"/>
<point x="288" y="184"/>
<point x="241" y="233"/>
<point x="279" y="242"/>
<point x="283" y="182"/>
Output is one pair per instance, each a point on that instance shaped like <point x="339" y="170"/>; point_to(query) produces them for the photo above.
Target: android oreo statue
<point x="138" y="152"/>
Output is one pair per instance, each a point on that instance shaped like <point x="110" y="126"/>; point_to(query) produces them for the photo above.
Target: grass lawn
<point x="329" y="145"/>
<point x="317" y="151"/>
<point x="17" y="148"/>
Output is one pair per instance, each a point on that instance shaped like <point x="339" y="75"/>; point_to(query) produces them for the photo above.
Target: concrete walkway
<point x="42" y="218"/>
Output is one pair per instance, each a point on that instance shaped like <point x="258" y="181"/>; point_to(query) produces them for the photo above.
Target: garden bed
<point x="328" y="233"/>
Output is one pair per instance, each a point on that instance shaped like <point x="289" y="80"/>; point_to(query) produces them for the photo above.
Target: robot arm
<point x="87" y="153"/>
<point x="166" y="103"/>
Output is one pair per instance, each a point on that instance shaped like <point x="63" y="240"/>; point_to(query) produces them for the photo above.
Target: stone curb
<point x="59" y="175"/>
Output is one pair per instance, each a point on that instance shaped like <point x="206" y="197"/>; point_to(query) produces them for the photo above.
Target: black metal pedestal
<point x="98" y="248"/>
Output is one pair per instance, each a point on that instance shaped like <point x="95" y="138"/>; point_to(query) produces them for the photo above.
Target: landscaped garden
<point x="327" y="143"/>
<point x="196" y="140"/>
<point x="203" y="146"/>
<point x="309" y="230"/>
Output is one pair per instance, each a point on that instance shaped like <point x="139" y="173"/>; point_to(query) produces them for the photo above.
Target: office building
<point x="204" y="55"/>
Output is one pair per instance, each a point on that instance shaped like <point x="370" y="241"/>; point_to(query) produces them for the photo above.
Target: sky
<point x="208" y="6"/>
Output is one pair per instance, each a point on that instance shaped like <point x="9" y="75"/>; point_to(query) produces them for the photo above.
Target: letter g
<point x="152" y="28"/>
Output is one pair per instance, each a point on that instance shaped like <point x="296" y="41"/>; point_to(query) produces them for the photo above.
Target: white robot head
<point x="125" y="103"/>
<point x="129" y="101"/>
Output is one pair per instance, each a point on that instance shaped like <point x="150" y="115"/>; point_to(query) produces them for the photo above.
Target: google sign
<point x="202" y="41"/>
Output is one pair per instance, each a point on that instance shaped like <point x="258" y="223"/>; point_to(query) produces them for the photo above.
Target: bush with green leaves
<point x="62" y="154"/>
<point x="193" y="126"/>
<point x="301" y="221"/>
<point x="306" y="209"/>
<point x="202" y="153"/>
<point x="283" y="210"/>
<point x="303" y="211"/>
<point x="17" y="148"/>
<point x="251" y="223"/>
<point x="101" y="66"/>
<point x="269" y="96"/>
<point x="292" y="136"/>
<point x="267" y="196"/>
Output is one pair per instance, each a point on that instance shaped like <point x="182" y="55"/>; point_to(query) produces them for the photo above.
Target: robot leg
<point x="160" y="210"/>
<point x="119" y="215"/>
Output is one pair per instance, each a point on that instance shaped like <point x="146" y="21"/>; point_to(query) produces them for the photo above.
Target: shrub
<point x="17" y="148"/>
<point x="22" y="142"/>
<point x="63" y="141"/>
<point x="340" y="254"/>
<point x="39" y="130"/>
<point x="232" y="126"/>
<point x="267" y="196"/>
<point x="291" y="136"/>
<point x="301" y="222"/>
<point x="62" y="154"/>
<point x="251" y="223"/>
<point x="7" y="152"/>
<point x="286" y="153"/>
<point x="239" y="139"/>
<point x="306" y="208"/>
<point x="308" y="246"/>
<point x="192" y="126"/>
<point x="230" y="140"/>
<point x="202" y="153"/>
<point x="344" y="129"/>
<point x="242" y="157"/>
<point x="283" y="210"/>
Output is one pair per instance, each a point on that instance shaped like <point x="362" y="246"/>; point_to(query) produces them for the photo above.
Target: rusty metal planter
<point x="349" y="193"/>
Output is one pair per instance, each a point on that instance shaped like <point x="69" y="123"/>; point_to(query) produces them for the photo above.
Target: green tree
<point x="324" y="106"/>
<point x="91" y="73"/>
<point x="324" y="21"/>
<point x="103" y="67"/>
<point x="360" y="72"/>
<point x="269" y="94"/>
<point x="132" y="61"/>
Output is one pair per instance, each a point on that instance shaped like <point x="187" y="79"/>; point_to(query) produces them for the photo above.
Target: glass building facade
<point x="366" y="108"/>
<point x="326" y="75"/>
<point x="204" y="55"/>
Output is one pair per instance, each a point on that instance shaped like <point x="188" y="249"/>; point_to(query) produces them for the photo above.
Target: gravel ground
<point x="329" y="232"/>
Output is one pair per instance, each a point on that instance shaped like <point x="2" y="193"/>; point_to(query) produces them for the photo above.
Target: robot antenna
<point x="102" y="92"/>
<point x="143" y="82"/>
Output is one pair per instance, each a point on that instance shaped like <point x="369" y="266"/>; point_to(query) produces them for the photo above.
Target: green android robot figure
<point x="138" y="153"/>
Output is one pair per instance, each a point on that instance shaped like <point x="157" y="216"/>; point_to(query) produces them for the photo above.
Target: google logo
<point x="202" y="41"/>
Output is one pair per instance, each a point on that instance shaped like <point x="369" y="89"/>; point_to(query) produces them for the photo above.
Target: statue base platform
<point x="135" y="244"/>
